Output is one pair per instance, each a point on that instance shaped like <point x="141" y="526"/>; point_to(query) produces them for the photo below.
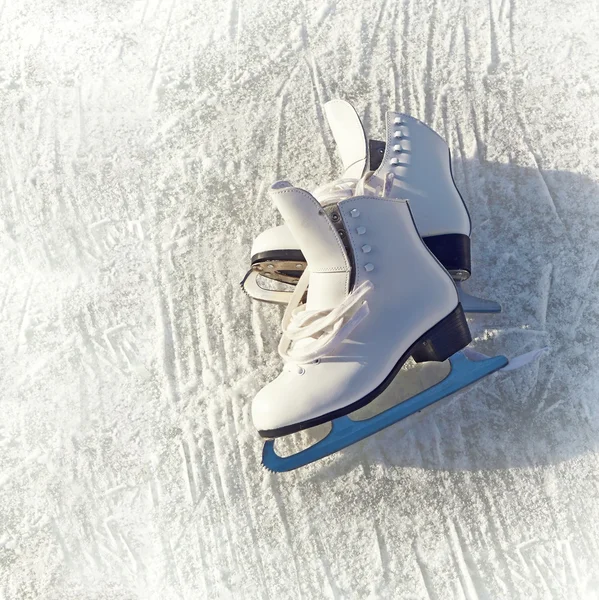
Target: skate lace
<point x="336" y="190"/>
<point x="308" y="335"/>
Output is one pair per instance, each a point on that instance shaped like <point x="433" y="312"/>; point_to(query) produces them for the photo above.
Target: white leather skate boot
<point x="416" y="166"/>
<point x="377" y="296"/>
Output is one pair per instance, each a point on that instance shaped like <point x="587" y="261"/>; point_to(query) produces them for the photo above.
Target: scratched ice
<point x="137" y="140"/>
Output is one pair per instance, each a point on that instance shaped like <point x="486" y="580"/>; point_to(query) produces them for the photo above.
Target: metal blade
<point x="472" y="304"/>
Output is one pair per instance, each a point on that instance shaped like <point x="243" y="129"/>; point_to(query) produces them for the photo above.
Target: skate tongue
<point x="349" y="134"/>
<point x="320" y="244"/>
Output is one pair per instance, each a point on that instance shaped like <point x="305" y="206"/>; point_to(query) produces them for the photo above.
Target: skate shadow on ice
<point x="534" y="249"/>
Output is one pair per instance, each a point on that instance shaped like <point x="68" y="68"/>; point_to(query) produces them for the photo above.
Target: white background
<point x="137" y="141"/>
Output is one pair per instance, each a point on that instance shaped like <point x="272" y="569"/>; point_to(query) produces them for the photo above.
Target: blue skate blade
<point x="345" y="432"/>
<point x="472" y="304"/>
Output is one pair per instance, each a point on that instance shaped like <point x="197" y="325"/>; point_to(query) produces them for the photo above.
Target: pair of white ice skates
<point x="376" y="258"/>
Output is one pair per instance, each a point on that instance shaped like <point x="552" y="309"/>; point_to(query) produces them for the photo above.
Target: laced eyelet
<point x="316" y="362"/>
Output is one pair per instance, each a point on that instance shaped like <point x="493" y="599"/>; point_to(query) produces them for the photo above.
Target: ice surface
<point x="137" y="140"/>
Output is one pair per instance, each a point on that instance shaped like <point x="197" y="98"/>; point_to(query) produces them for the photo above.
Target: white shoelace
<point x="335" y="191"/>
<point x="346" y="187"/>
<point x="321" y="331"/>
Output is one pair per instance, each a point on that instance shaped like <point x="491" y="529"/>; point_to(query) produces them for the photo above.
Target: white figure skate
<point x="415" y="166"/>
<point x="377" y="295"/>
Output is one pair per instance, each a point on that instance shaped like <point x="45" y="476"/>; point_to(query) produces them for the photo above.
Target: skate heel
<point x="447" y="337"/>
<point x="453" y="252"/>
